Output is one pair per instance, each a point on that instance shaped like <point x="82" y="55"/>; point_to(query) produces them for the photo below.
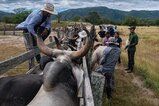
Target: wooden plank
<point x="88" y="96"/>
<point x="35" y="70"/>
<point x="13" y="62"/>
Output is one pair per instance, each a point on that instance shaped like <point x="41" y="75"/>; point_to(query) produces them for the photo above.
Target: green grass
<point x="147" y="56"/>
<point x="126" y="93"/>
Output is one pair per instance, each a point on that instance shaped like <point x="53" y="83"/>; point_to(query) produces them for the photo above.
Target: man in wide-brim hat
<point x="37" y="23"/>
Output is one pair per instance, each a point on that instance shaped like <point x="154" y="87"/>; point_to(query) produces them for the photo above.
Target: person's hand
<point x="126" y="47"/>
<point x="45" y="32"/>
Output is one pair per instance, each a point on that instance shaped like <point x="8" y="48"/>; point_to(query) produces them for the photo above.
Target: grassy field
<point x="128" y="92"/>
<point x="147" y="55"/>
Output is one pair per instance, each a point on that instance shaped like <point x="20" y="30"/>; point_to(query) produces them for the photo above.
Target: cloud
<point x="126" y="5"/>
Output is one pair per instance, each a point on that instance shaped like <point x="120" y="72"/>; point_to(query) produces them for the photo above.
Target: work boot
<point x="129" y="71"/>
<point x="109" y="92"/>
<point x="127" y="68"/>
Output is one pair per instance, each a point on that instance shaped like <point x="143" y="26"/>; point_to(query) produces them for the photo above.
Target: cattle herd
<point x="59" y="83"/>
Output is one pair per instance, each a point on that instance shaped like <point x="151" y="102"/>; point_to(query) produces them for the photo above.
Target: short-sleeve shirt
<point x="118" y="40"/>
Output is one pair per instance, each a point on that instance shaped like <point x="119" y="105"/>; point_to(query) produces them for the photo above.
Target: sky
<point x="61" y="5"/>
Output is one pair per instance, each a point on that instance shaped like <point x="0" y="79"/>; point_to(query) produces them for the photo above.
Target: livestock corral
<point x="82" y="93"/>
<point x="129" y="89"/>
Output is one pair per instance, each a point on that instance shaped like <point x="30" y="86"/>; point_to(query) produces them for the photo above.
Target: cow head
<point x="59" y="83"/>
<point x="70" y="54"/>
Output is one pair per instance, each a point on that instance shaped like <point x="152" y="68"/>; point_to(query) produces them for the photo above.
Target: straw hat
<point x="48" y="7"/>
<point x="112" y="40"/>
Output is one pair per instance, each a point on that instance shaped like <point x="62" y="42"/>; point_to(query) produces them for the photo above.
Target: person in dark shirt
<point x="112" y="32"/>
<point x="119" y="41"/>
<point x="131" y="48"/>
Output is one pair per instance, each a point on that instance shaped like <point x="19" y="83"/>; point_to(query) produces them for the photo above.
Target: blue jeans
<point x="109" y="81"/>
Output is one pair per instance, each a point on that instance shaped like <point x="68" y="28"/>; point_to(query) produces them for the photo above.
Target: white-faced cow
<point x="59" y="86"/>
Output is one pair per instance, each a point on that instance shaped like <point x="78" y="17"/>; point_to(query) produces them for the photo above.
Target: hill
<point x="112" y="14"/>
<point x="3" y="14"/>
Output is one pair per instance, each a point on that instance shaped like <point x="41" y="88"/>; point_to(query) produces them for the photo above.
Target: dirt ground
<point x="10" y="46"/>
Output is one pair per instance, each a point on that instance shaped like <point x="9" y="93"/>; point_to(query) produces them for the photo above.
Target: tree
<point x="106" y="21"/>
<point x="76" y="18"/>
<point x="59" y="18"/>
<point x="20" y="16"/>
<point x="7" y="19"/>
<point x="93" y="18"/>
<point x="157" y="22"/>
<point x="130" y="20"/>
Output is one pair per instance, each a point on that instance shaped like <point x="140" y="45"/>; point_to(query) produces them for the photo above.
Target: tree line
<point x="92" y="17"/>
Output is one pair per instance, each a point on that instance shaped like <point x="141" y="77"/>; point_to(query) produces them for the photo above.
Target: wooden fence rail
<point x="88" y="96"/>
<point x="13" y="62"/>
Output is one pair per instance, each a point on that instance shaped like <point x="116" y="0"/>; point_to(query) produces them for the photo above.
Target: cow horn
<point x="49" y="51"/>
<point x="84" y="50"/>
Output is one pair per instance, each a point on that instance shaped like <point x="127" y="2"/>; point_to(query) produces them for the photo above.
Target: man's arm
<point x="94" y="59"/>
<point x="34" y="21"/>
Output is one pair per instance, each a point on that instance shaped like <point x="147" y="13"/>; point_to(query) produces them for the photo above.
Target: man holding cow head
<point x="38" y="22"/>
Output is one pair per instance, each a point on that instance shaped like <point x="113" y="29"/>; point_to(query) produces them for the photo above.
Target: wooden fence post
<point x="88" y="96"/>
<point x="29" y="46"/>
<point x="4" y="29"/>
<point x="14" y="30"/>
<point x="97" y="81"/>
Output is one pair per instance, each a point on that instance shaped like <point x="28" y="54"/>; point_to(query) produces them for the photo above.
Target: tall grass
<point x="147" y="55"/>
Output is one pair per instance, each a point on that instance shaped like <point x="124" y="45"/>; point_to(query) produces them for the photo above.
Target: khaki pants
<point x="29" y="46"/>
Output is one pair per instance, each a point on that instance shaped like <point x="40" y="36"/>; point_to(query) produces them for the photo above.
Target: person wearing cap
<point x="106" y="57"/>
<point x="118" y="40"/>
<point x="131" y="48"/>
<point x="105" y="39"/>
<point x="38" y="22"/>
